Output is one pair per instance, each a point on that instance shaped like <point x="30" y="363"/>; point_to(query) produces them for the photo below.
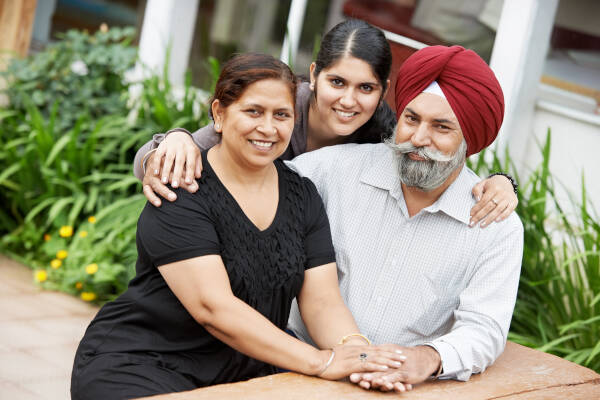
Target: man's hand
<point x="421" y="362"/>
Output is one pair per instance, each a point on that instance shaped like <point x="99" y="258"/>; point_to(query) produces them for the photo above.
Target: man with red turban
<point x="411" y="270"/>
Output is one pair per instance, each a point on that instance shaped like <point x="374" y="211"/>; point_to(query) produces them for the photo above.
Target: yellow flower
<point x="47" y="237"/>
<point x="56" y="263"/>
<point x="92" y="219"/>
<point x="62" y="254"/>
<point x="88" y="296"/>
<point x="65" y="231"/>
<point x="41" y="275"/>
<point x="91" y="269"/>
<point x="78" y="285"/>
<point x="83" y="234"/>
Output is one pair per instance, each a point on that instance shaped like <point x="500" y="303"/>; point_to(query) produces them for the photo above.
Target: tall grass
<point x="558" y="304"/>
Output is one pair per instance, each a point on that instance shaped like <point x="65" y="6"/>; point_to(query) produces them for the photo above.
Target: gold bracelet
<point x="145" y="158"/>
<point x="360" y="335"/>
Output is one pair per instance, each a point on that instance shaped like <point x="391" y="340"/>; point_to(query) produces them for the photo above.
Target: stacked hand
<point x="420" y="363"/>
<point x="350" y="359"/>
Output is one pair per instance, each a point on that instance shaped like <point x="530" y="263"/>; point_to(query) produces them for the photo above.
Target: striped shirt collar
<point x="456" y="201"/>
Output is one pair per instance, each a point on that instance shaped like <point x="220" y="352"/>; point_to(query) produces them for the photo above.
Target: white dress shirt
<point x="429" y="279"/>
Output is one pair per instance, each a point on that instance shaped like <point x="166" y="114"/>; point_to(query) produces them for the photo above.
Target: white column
<point x="518" y="59"/>
<point x="294" y="29"/>
<point x="168" y="27"/>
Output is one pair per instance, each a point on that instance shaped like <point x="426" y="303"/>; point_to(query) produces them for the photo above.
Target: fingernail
<point x="399" y="351"/>
<point x="478" y="198"/>
<point x="403" y="358"/>
<point x="171" y="196"/>
<point x="155" y="172"/>
<point x="397" y="363"/>
<point x="497" y="219"/>
<point x="483" y="224"/>
<point x="175" y="183"/>
<point x="194" y="187"/>
<point x="188" y="180"/>
<point x="156" y="204"/>
<point x="164" y="179"/>
<point x="471" y="223"/>
<point x="384" y="367"/>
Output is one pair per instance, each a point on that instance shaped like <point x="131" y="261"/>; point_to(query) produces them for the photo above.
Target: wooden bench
<point x="519" y="373"/>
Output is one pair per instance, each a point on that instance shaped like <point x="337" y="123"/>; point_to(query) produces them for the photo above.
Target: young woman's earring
<point x="312" y="87"/>
<point x="217" y="127"/>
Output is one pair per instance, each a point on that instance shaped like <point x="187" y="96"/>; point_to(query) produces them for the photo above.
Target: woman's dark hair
<point x="361" y="40"/>
<point x="242" y="70"/>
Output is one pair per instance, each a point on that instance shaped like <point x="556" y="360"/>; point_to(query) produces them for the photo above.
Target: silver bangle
<point x="328" y="363"/>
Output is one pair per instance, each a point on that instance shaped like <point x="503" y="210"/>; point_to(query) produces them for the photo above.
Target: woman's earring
<point x="217" y="127"/>
<point x="312" y="87"/>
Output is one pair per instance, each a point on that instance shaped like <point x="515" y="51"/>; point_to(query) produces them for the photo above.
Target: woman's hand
<point x="350" y="359"/>
<point x="176" y="152"/>
<point x="496" y="200"/>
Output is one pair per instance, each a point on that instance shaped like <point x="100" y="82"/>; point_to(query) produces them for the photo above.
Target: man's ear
<point x="217" y="112"/>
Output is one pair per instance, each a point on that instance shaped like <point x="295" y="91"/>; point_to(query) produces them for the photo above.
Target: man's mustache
<point x="422" y="151"/>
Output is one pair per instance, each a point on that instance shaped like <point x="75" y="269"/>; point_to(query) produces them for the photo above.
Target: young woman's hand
<point x="496" y="200"/>
<point x="174" y="154"/>
<point x="350" y="359"/>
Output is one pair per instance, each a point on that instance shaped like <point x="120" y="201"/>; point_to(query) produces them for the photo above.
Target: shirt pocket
<point x="436" y="304"/>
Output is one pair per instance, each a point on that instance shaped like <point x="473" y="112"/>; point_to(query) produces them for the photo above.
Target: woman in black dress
<point x="217" y="269"/>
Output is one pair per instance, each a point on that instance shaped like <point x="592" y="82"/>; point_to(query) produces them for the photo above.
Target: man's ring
<point x="363" y="357"/>
<point x="495" y="201"/>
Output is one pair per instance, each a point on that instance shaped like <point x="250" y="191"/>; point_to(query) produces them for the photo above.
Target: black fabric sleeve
<point x="317" y="243"/>
<point x="177" y="230"/>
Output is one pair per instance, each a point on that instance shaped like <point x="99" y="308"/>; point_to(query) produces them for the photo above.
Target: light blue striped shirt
<point x="429" y="279"/>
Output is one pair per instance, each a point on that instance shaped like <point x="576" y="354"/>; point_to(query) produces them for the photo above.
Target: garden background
<point x="70" y="203"/>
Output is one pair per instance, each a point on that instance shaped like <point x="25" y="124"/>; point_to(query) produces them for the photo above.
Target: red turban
<point x="468" y="83"/>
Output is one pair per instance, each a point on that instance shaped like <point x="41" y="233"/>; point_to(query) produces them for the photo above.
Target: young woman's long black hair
<point x="361" y="40"/>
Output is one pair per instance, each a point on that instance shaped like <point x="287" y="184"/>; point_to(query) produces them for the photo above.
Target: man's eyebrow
<point x="410" y="110"/>
<point x="443" y="121"/>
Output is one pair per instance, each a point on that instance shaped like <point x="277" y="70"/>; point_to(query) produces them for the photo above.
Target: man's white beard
<point x="430" y="173"/>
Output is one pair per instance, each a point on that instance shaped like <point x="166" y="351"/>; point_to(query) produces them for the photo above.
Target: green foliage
<point x="80" y="72"/>
<point x="67" y="144"/>
<point x="558" y="304"/>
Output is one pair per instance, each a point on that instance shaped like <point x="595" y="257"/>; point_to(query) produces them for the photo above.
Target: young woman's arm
<point x="176" y="160"/>
<point x="202" y="286"/>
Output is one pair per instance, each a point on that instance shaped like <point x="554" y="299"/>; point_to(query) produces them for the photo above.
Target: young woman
<point x="218" y="269"/>
<point x="342" y="103"/>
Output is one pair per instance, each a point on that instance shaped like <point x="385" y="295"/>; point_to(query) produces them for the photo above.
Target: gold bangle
<point x="145" y="158"/>
<point x="360" y="335"/>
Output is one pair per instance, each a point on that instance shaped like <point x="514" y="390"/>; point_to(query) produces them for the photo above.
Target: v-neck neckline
<point x="207" y="167"/>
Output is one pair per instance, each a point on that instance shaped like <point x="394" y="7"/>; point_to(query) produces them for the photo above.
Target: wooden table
<point x="520" y="373"/>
